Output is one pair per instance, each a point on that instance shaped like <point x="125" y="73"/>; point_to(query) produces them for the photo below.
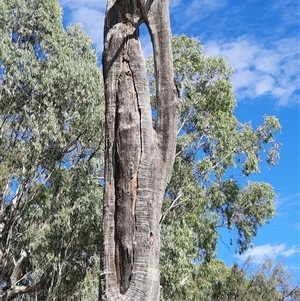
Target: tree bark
<point x="138" y="158"/>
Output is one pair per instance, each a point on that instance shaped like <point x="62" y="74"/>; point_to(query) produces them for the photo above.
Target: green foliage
<point x="213" y="281"/>
<point x="51" y="146"/>
<point x="267" y="283"/>
<point x="216" y="154"/>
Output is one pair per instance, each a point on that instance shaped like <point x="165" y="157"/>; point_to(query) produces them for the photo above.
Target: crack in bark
<point x="138" y="159"/>
<point x="127" y="158"/>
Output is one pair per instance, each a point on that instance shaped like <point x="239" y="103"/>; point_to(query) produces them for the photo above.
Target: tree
<point x="215" y="156"/>
<point x="138" y="157"/>
<point x="51" y="146"/>
<point x="270" y="282"/>
<point x="213" y="281"/>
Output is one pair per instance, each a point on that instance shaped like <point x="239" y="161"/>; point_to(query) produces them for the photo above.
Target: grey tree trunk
<point x="138" y="158"/>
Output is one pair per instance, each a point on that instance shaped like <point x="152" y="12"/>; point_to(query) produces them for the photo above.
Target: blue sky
<point x="260" y="39"/>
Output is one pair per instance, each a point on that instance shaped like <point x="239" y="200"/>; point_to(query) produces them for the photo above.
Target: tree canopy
<point x="213" y="281"/>
<point x="51" y="145"/>
<point x="216" y="154"/>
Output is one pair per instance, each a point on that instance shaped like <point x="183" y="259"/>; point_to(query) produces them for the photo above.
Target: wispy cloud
<point x="261" y="69"/>
<point x="289" y="11"/>
<point x="205" y="5"/>
<point x="288" y="201"/>
<point x="186" y="13"/>
<point x="287" y="207"/>
<point x="261" y="253"/>
<point x="174" y="3"/>
<point x="75" y="4"/>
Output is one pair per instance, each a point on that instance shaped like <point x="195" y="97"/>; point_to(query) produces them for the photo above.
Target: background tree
<point x="213" y="281"/>
<point x="270" y="282"/>
<point x="215" y="154"/>
<point x="51" y="145"/>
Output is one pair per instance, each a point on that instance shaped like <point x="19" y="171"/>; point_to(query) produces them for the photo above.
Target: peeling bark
<point x="138" y="158"/>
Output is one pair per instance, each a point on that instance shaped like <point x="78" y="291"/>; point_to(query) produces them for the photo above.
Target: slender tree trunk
<point x="138" y="158"/>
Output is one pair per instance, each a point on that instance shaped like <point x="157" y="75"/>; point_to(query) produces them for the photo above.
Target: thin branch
<point x="223" y="242"/>
<point x="163" y="216"/>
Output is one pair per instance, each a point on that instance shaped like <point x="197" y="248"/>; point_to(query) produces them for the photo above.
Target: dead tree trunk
<point x="138" y="157"/>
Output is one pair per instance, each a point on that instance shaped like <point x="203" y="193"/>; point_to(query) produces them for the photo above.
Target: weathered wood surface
<point x="138" y="158"/>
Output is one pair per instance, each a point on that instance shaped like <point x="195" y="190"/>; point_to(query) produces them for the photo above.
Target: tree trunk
<point x="138" y="158"/>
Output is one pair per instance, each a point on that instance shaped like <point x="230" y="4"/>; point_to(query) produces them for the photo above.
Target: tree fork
<point x="138" y="158"/>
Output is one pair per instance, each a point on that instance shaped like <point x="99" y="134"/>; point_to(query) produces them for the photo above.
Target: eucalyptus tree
<point x="214" y="281"/>
<point x="216" y="155"/>
<point x="51" y="146"/>
<point x="267" y="282"/>
<point x="138" y="157"/>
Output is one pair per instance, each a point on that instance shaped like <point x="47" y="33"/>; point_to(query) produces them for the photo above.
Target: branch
<point x="188" y="116"/>
<point x="20" y="289"/>
<point x="223" y="242"/>
<point x="16" y="274"/>
<point x="163" y="216"/>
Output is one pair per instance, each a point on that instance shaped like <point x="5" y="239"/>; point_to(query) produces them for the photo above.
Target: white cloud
<point x="90" y="13"/>
<point x="260" y="69"/>
<point x="260" y="253"/>
<point x="265" y="85"/>
<point x="92" y="21"/>
<point x="212" y="48"/>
